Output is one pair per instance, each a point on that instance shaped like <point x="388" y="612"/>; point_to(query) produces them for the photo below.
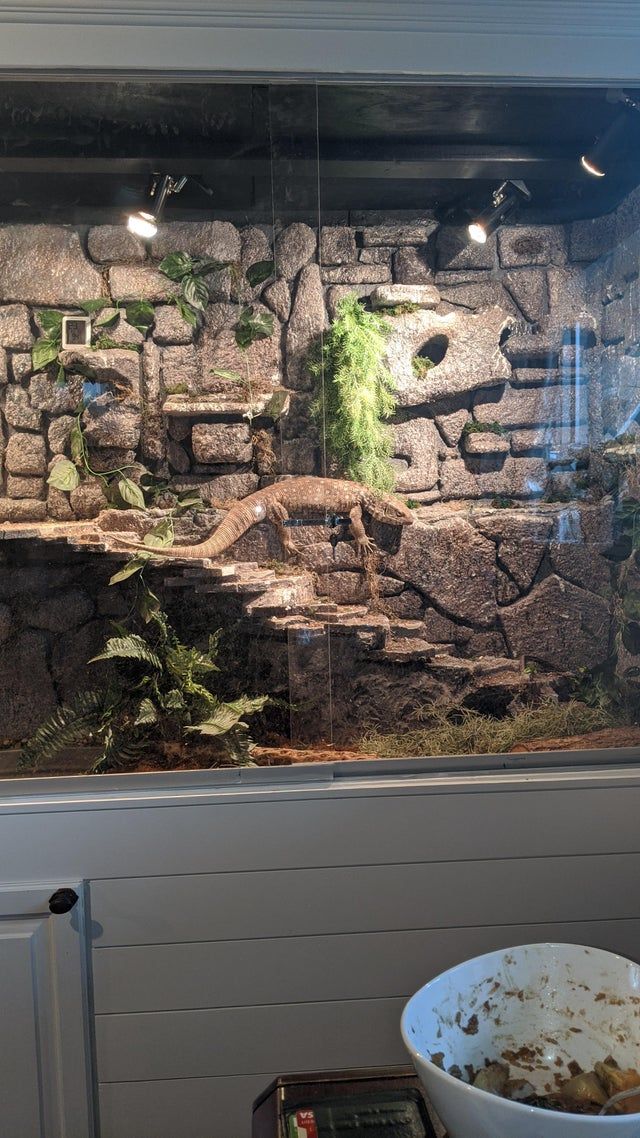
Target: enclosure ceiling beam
<point x="434" y="162"/>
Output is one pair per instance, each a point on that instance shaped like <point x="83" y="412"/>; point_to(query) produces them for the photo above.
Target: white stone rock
<point x="416" y="441"/>
<point x="390" y="295"/>
<point x="45" y="264"/>
<point x="472" y="359"/>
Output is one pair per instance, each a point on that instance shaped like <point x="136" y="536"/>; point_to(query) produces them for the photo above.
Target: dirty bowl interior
<point x="538" y="1007"/>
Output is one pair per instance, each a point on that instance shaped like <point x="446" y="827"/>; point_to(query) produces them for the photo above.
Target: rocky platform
<point x="470" y="604"/>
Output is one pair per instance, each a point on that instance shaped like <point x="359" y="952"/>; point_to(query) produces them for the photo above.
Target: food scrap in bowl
<point x="582" y="1092"/>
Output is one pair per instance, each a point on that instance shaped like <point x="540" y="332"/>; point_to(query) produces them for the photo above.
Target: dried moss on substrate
<point x="462" y="731"/>
<point x="355" y="395"/>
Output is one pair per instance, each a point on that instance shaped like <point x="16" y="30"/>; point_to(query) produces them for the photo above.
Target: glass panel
<point x="497" y="379"/>
<point x="391" y="468"/>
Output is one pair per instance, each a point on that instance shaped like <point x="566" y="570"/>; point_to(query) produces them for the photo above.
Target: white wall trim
<point x="131" y="792"/>
<point x="539" y="40"/>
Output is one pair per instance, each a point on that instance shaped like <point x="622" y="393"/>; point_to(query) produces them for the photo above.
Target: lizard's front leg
<point x="277" y="515"/>
<point x="362" y="539"/>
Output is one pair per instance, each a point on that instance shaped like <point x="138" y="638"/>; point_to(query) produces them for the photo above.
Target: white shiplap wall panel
<point x="181" y="1108"/>
<point x="305" y="902"/>
<point x="474" y="818"/>
<point x="243" y="973"/>
<point x="273" y="928"/>
<point x="232" y="1041"/>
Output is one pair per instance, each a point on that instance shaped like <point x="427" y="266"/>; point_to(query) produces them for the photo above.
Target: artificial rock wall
<point x="514" y="327"/>
<point x="540" y="331"/>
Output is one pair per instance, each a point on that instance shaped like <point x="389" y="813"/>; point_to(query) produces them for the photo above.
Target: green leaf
<point x="148" y="604"/>
<point x="131" y="493"/>
<point x="106" y="320"/>
<point x="61" y="376"/>
<point x="43" y="353"/>
<point x="229" y="715"/>
<point x="202" y="266"/>
<point x="277" y="404"/>
<point x="174" y="700"/>
<point x="140" y="314"/>
<point x="131" y="647"/>
<point x="91" y="306"/>
<point x="135" y="565"/>
<point x="69" y="724"/>
<point x="195" y="292"/>
<point x="64" y="475"/>
<point x="76" y="443"/>
<point x="51" y="323"/>
<point x="147" y="714"/>
<point x="232" y="376"/>
<point x="251" y="328"/>
<point x="161" y="536"/>
<point x="260" y="272"/>
<point x="175" y="266"/>
<point x="188" y="500"/>
<point x="186" y="311"/>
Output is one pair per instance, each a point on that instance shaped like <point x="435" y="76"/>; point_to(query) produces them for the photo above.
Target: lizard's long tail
<point x="239" y="519"/>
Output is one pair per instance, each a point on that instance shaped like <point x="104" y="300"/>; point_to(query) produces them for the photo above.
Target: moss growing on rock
<point x="421" y="365"/>
<point x="473" y="427"/>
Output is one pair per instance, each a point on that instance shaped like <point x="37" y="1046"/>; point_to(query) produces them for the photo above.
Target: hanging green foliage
<point x="355" y="395"/>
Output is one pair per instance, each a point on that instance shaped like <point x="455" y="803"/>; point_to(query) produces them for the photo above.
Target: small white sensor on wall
<point x="76" y="331"/>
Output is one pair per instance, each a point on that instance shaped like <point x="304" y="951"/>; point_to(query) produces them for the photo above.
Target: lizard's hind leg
<point x="277" y="515"/>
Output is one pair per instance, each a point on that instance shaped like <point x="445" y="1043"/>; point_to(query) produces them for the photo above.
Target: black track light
<point x="610" y="144"/>
<point x="504" y="200"/>
<point x="144" y="222"/>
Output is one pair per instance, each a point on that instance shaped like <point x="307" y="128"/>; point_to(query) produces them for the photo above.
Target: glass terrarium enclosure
<point x="319" y="422"/>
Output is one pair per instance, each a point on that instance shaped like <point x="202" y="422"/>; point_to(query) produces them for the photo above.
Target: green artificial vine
<point x="139" y="314"/>
<point x="355" y="394"/>
<point x="250" y="325"/>
<point x="190" y="273"/>
<point x="120" y="490"/>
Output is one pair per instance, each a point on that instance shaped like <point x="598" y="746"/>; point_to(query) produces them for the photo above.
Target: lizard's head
<point x="388" y="509"/>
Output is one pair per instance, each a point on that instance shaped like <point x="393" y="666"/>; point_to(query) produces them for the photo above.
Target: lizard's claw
<point x="364" y="545"/>
<point x="290" y="548"/>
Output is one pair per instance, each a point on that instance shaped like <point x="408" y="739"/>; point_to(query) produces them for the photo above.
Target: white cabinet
<point x="45" y="1088"/>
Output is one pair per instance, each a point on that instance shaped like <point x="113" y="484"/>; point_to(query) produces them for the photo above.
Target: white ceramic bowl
<point x="571" y="1002"/>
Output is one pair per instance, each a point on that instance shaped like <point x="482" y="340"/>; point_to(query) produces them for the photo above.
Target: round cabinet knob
<point x="63" y="900"/>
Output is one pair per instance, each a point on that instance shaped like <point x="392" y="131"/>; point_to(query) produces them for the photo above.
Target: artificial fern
<point x="71" y="723"/>
<point x="355" y="394"/>
<point x="161" y="696"/>
<point x="128" y="648"/>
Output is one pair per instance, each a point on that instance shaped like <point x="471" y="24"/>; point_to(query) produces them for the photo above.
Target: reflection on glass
<point x="362" y="486"/>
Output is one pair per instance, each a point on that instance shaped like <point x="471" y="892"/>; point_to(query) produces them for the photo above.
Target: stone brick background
<point x="537" y="330"/>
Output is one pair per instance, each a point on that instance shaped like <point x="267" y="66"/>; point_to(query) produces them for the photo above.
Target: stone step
<point x="281" y="599"/>
<point x="405" y="650"/>
<point x="413" y="629"/>
<point x="232" y="569"/>
<point x="335" y="614"/>
<point x="239" y="586"/>
<point x="202" y="407"/>
<point x="294" y="623"/>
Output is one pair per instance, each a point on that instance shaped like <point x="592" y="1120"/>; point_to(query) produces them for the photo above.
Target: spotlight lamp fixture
<point x="608" y="145"/>
<point x="144" y="222"/>
<point x="504" y="201"/>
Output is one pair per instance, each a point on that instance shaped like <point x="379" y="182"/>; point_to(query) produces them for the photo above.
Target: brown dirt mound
<point x="594" y="740"/>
